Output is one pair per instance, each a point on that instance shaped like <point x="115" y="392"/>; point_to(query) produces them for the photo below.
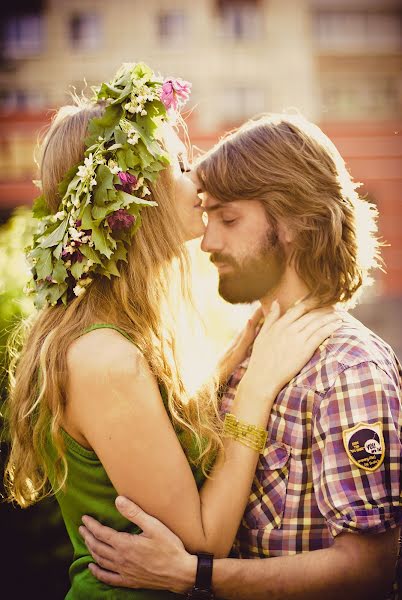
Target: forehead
<point x="212" y="204"/>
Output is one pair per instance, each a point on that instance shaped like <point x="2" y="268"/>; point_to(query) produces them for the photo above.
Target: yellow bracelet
<point x="250" y="435"/>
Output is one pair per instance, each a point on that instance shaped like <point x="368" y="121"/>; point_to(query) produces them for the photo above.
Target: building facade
<point x="336" y="61"/>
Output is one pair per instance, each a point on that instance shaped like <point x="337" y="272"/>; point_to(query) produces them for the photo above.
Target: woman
<point x="106" y="412"/>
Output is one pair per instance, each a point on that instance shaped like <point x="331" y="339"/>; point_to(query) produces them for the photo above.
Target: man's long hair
<point x="297" y="173"/>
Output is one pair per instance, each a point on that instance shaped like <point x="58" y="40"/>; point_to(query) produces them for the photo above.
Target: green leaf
<point x="121" y="252"/>
<point x="104" y="178"/>
<point x="59" y="272"/>
<point x="145" y="156"/>
<point x="100" y="212"/>
<point x="120" y="136"/>
<point x="77" y="269"/>
<point x="58" y="250"/>
<point x="40" y="208"/>
<point x="86" y="217"/>
<point x="56" y="236"/>
<point x="131" y="159"/>
<point x="111" y="268"/>
<point x="90" y="253"/>
<point x="110" y="117"/>
<point x="63" y="185"/>
<point x="55" y="292"/>
<point x="129" y="199"/>
<point x="41" y="296"/>
<point x="142" y="70"/>
<point x="121" y="158"/>
<point x="101" y="241"/>
<point x="44" y="265"/>
<point x="107" y="90"/>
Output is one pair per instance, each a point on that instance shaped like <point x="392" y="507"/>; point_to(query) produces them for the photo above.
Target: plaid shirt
<point x="307" y="489"/>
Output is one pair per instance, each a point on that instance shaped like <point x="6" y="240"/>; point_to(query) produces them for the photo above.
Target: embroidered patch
<point x="364" y="445"/>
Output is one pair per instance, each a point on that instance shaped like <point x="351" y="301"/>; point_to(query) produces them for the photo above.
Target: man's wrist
<point x="185" y="576"/>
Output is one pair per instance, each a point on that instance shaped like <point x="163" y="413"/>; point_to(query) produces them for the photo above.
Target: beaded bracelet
<point x="250" y="435"/>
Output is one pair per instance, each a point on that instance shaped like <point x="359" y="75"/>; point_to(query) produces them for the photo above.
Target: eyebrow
<point x="217" y="206"/>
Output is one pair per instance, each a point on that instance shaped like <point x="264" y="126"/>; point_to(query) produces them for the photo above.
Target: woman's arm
<point x="115" y="405"/>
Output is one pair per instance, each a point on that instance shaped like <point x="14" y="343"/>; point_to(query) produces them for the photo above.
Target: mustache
<point x="222" y="258"/>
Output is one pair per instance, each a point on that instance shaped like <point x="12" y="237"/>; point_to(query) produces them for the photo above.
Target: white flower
<point x="133" y="137"/>
<point x="60" y="215"/>
<point x="67" y="264"/>
<point x="92" y="183"/>
<point x="86" y="170"/>
<point x="76" y="202"/>
<point x="78" y="290"/>
<point x="69" y="249"/>
<point x="114" y="167"/>
<point x="143" y="113"/>
<point x="146" y="191"/>
<point x="74" y="233"/>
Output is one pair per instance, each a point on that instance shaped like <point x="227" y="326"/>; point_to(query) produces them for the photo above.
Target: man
<point x="285" y="221"/>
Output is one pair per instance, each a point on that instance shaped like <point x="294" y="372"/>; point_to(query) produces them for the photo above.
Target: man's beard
<point x="256" y="275"/>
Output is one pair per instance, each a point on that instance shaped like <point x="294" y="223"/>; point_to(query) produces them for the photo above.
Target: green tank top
<point x="89" y="491"/>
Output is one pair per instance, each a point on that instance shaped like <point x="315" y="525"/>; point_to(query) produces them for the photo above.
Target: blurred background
<point x="336" y="61"/>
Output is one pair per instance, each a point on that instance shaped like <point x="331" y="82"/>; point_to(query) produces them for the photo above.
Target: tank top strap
<point x="106" y="326"/>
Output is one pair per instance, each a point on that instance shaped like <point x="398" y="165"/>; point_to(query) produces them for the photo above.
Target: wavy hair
<point x="140" y="307"/>
<point x="298" y="174"/>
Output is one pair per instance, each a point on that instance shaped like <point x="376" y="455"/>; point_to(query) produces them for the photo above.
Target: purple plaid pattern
<point x="306" y="490"/>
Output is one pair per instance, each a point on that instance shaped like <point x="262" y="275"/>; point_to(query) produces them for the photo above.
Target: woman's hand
<point x="285" y="344"/>
<point x="239" y="347"/>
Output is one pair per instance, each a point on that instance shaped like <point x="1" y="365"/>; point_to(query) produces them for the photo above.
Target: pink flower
<point x="120" y="219"/>
<point x="175" y="92"/>
<point x="128" y="182"/>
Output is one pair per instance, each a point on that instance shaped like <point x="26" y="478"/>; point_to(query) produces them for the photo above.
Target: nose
<point x="211" y="241"/>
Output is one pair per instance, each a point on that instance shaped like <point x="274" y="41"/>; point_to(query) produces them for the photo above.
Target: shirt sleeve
<point x="356" y="451"/>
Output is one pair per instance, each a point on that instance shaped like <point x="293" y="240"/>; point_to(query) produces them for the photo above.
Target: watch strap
<point x="202" y="589"/>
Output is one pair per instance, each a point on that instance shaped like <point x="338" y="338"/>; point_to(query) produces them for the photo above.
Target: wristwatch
<point x="202" y="589"/>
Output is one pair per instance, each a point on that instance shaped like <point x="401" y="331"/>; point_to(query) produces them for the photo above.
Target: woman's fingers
<point x="272" y="316"/>
<point x="295" y="312"/>
<point x="256" y="317"/>
<point x="324" y="332"/>
<point x="316" y="317"/>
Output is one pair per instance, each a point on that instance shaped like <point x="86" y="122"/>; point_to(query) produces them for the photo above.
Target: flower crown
<point x="103" y="196"/>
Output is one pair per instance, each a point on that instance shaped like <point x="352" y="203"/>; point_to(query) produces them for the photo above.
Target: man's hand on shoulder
<point x="155" y="559"/>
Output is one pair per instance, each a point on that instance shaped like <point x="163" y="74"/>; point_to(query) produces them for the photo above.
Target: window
<point x="240" y="19"/>
<point x="172" y="26"/>
<point x="19" y="99"/>
<point x="85" y="31"/>
<point x="359" y="98"/>
<point x="240" y="103"/>
<point x="22" y="35"/>
<point x="346" y="30"/>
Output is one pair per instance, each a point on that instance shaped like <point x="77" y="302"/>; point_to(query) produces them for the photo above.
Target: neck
<point x="290" y="290"/>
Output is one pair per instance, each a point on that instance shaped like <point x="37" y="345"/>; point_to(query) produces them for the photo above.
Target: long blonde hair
<point x="299" y="176"/>
<point x="137" y="302"/>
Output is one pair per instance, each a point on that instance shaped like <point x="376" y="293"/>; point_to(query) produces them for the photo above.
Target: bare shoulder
<point x="103" y="352"/>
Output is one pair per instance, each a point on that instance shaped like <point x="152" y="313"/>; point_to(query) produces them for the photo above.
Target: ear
<point x="286" y="234"/>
